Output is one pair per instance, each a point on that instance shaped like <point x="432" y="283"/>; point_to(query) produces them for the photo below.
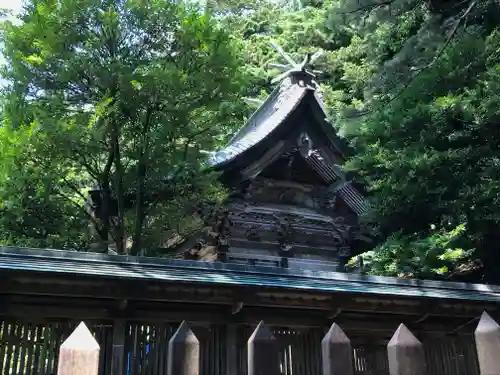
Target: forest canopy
<point x="126" y="97"/>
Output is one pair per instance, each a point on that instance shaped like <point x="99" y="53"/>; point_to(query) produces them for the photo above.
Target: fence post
<point x="487" y="337"/>
<point x="336" y="352"/>
<point x="118" y="351"/>
<point x="405" y="353"/>
<point x="183" y="352"/>
<point x="231" y="349"/>
<point x="79" y="354"/>
<point x="263" y="352"/>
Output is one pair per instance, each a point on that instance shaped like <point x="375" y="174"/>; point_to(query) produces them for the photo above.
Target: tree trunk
<point x="140" y="210"/>
<point x="120" y="194"/>
<point x="139" y="207"/>
<point x="106" y="199"/>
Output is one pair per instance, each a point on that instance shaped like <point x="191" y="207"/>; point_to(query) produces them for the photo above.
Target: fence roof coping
<point x="132" y="267"/>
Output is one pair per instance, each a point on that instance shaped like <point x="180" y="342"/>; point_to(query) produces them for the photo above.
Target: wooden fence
<point x="135" y="348"/>
<point x="182" y="354"/>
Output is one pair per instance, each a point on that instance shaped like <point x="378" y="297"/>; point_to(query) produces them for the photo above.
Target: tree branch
<point x="419" y="70"/>
<point x="95" y="223"/>
<point x="83" y="160"/>
<point x="368" y="7"/>
<point x="450" y="37"/>
<point x="74" y="188"/>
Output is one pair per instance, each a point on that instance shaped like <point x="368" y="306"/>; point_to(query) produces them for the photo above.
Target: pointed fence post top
<point x="405" y="353"/>
<point x="184" y="334"/>
<point x="487" y="324"/>
<point x="183" y="352"/>
<point x="81" y="339"/>
<point x="487" y="337"/>
<point x="336" y="352"/>
<point x="261" y="333"/>
<point x="79" y="354"/>
<point x="336" y="335"/>
<point x="263" y="352"/>
<point x="404" y="338"/>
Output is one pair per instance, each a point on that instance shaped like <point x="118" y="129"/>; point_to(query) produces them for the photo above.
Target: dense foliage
<point x="118" y="97"/>
<point x="413" y="85"/>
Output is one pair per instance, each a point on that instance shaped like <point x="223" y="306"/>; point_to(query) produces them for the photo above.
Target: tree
<point x="121" y="97"/>
<point x="423" y="127"/>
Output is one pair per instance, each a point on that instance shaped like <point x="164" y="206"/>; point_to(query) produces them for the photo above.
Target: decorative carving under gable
<point x="286" y="233"/>
<point x="217" y="230"/>
<point x="222" y="228"/>
<point x="269" y="224"/>
<point x="290" y="193"/>
<point x="284" y="228"/>
<point x="305" y="144"/>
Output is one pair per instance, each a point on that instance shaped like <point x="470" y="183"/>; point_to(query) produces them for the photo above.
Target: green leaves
<point x="426" y="148"/>
<point x="124" y="95"/>
<point x="410" y="256"/>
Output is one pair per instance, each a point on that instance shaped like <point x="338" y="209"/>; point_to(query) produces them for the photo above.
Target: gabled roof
<point x="276" y="108"/>
<point x="272" y="113"/>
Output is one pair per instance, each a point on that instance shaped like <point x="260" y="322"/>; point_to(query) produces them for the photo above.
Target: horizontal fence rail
<point x="135" y="348"/>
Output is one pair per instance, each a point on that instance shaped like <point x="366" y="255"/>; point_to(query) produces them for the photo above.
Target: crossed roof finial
<point x="291" y="66"/>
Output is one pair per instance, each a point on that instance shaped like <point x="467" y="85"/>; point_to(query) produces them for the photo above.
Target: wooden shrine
<point x="290" y="205"/>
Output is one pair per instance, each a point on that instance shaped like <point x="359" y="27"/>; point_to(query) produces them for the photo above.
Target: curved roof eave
<point x="254" y="133"/>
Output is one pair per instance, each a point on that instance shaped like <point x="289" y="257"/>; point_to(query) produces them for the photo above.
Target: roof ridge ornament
<point x="292" y="67"/>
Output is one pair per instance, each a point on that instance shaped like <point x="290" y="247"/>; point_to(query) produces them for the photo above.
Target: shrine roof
<point x="55" y="262"/>
<point x="270" y="114"/>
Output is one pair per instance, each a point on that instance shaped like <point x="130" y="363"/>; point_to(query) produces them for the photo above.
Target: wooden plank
<point x="231" y="349"/>
<point x="45" y="349"/>
<point x="24" y="348"/>
<point x="300" y="353"/>
<point x="136" y="354"/>
<point x="166" y="333"/>
<point x="136" y="368"/>
<point x="53" y="348"/>
<point x="18" y="343"/>
<point x="152" y="367"/>
<point x="143" y="348"/>
<point x="107" y="356"/>
<point x="147" y="348"/>
<point x="4" y="327"/>
<point x="9" y="346"/>
<point x="162" y="345"/>
<point x="38" y="349"/>
<point x="30" y="346"/>
<point x="102" y="339"/>
<point x="288" y="356"/>
<point x="214" y="354"/>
